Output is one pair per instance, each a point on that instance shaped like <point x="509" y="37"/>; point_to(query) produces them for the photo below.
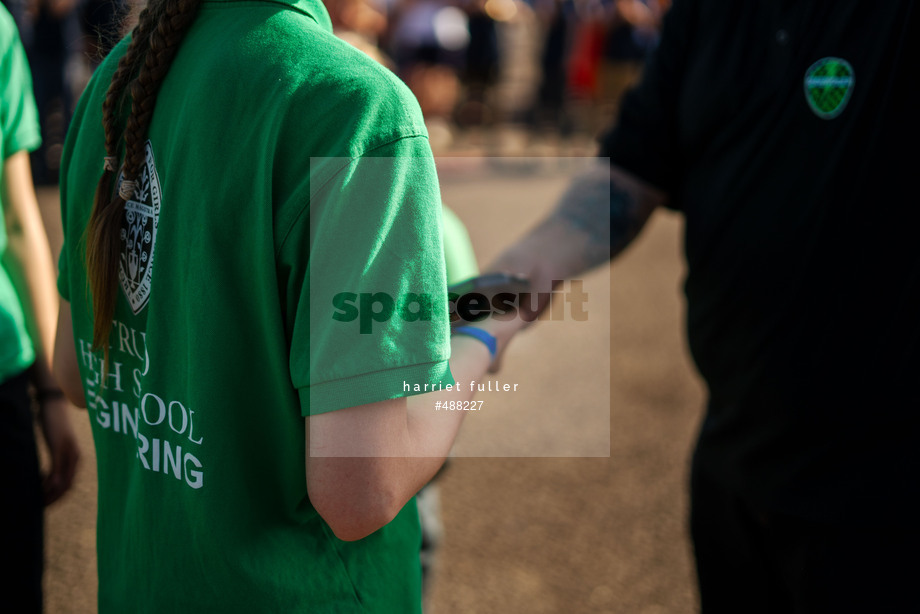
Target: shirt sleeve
<point x="19" y="125"/>
<point x="645" y="138"/>
<point x="363" y="273"/>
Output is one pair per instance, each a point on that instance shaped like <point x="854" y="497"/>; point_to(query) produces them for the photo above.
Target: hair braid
<point x="156" y="38"/>
<point x="164" y="41"/>
<point x="127" y="68"/>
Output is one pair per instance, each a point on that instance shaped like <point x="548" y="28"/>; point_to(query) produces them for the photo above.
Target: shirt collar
<point x="314" y="9"/>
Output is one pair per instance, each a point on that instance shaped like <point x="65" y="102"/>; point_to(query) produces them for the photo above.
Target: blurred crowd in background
<point x="496" y="77"/>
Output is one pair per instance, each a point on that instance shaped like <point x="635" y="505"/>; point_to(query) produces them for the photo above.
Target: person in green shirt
<point x="235" y="173"/>
<point x="28" y="308"/>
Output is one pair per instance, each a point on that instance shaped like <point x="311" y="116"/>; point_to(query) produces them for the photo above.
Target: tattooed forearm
<point x="584" y="206"/>
<point x="607" y="212"/>
<point x="602" y="211"/>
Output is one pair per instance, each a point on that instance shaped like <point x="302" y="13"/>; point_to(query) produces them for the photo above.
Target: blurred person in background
<point x="631" y="32"/>
<point x="360" y="23"/>
<point x="582" y="84"/>
<point x="428" y="41"/>
<point x="48" y="33"/>
<point x="550" y="106"/>
<point x="28" y="309"/>
<point x="785" y="134"/>
<point x="481" y="66"/>
<point x="102" y="23"/>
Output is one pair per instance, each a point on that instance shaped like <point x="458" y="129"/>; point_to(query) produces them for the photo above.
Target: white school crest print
<point x="139" y="234"/>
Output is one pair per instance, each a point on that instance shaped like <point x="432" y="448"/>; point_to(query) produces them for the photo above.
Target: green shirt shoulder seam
<point x="332" y="176"/>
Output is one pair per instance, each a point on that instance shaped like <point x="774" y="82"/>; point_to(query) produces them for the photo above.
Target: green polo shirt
<point x="19" y="131"/>
<point x="283" y="168"/>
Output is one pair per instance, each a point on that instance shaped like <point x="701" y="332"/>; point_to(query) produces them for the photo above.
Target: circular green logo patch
<point x="828" y="85"/>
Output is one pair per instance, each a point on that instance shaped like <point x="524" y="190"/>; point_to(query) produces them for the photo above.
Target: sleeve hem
<point x="18" y="143"/>
<point x="373" y="387"/>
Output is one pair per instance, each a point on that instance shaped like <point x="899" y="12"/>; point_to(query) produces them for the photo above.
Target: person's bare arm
<point x="28" y="261"/>
<point x="365" y="463"/>
<point x="66" y="369"/>
<point x="28" y="256"/>
<point x="576" y="237"/>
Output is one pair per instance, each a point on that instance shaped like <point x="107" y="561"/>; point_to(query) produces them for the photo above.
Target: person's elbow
<point x="355" y="525"/>
<point x="355" y="503"/>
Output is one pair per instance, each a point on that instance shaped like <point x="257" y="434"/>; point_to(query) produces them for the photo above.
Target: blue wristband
<point x="478" y="333"/>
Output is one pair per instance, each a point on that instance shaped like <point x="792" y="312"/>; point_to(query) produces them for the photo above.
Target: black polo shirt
<point x="787" y="133"/>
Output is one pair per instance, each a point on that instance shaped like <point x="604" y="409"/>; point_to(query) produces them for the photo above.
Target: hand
<point x="550" y="254"/>
<point x="523" y="260"/>
<point x="62" y="444"/>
